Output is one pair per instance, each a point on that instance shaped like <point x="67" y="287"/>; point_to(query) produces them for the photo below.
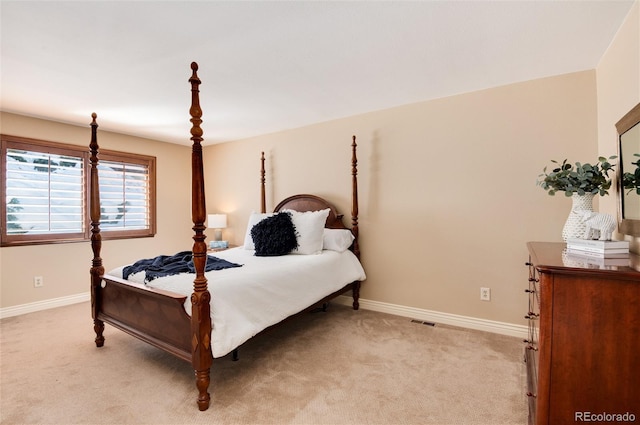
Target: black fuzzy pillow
<point x="275" y="235"/>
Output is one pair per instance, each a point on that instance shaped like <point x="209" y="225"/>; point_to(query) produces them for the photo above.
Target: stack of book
<point x="601" y="253"/>
<point x="218" y="245"/>
<point x="598" y="249"/>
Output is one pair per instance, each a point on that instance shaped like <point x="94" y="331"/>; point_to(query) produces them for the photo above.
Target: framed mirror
<point x="628" y="146"/>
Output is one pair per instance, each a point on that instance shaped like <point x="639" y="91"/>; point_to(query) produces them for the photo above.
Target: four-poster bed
<point x="157" y="315"/>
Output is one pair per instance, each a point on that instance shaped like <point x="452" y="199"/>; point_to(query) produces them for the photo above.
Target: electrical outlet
<point x="38" y="281"/>
<point x="485" y="294"/>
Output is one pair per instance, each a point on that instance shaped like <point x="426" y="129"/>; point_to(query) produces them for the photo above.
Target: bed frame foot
<point x="202" y="382"/>
<point x="234" y="355"/>
<point x="356" y="295"/>
<point x="98" y="327"/>
<point x="321" y="308"/>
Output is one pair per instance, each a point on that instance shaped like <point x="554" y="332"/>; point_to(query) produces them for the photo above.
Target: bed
<point x="185" y="320"/>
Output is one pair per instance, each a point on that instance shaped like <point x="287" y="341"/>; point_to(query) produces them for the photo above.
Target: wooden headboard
<point x="305" y="202"/>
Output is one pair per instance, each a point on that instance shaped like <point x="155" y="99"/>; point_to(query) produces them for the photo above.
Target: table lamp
<point x="217" y="222"/>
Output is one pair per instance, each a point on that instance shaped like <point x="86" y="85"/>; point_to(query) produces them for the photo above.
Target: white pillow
<point x="254" y="219"/>
<point x="337" y="239"/>
<point x="309" y="230"/>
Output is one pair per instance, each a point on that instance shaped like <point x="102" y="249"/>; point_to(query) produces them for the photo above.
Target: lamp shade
<point x="217" y="221"/>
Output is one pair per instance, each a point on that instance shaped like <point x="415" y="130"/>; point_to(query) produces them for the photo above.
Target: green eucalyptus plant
<point x="631" y="181"/>
<point x="579" y="178"/>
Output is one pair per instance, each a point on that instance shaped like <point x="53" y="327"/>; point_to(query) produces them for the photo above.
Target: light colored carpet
<point x="338" y="367"/>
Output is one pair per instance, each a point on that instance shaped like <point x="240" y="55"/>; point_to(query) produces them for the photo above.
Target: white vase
<point x="574" y="227"/>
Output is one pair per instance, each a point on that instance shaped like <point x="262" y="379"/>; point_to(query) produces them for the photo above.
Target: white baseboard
<point x="43" y="305"/>
<point x="502" y="328"/>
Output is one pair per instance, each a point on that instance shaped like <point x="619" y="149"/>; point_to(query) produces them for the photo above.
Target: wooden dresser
<point x="583" y="349"/>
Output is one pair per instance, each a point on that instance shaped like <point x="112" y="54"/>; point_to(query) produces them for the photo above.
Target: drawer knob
<point x="531" y="291"/>
<point x="530" y="394"/>
<point x="531" y="347"/>
<point x="528" y="263"/>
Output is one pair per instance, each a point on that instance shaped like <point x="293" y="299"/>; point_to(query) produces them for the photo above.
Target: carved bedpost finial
<point x="195" y="111"/>
<point x="263" y="201"/>
<point x="354" y="218"/>
<point x="354" y="196"/>
<point x="94" y="200"/>
<point x="198" y="205"/>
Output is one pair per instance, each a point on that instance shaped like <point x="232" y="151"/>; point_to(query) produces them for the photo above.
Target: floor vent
<point x="423" y="322"/>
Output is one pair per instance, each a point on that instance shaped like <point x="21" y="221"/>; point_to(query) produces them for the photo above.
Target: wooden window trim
<point x="24" y="143"/>
<point x="150" y="162"/>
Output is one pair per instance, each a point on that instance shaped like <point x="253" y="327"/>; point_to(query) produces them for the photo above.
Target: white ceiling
<point x="268" y="66"/>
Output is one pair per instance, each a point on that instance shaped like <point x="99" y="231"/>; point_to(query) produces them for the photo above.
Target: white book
<point x="594" y="243"/>
<point x="597" y="250"/>
<point x="591" y="254"/>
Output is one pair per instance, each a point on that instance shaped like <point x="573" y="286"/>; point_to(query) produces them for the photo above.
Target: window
<point x="126" y="191"/>
<point x="45" y="193"/>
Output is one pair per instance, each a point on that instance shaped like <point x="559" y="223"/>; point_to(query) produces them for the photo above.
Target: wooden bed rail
<point x="200" y="298"/>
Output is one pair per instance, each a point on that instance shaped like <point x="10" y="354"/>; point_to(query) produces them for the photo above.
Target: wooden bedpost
<point x="201" y="298"/>
<point x="97" y="270"/>
<point x="354" y="216"/>
<point x="263" y="196"/>
<point x="354" y="197"/>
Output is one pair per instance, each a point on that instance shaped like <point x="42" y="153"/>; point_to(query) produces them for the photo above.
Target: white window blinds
<point x="124" y="196"/>
<point x="44" y="193"/>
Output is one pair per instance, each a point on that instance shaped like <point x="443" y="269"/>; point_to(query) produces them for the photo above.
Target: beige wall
<point x="448" y="197"/>
<point x="618" y="82"/>
<point x="447" y="187"/>
<point x="65" y="267"/>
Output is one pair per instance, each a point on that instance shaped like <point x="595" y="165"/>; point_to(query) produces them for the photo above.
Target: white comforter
<point x="264" y="291"/>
